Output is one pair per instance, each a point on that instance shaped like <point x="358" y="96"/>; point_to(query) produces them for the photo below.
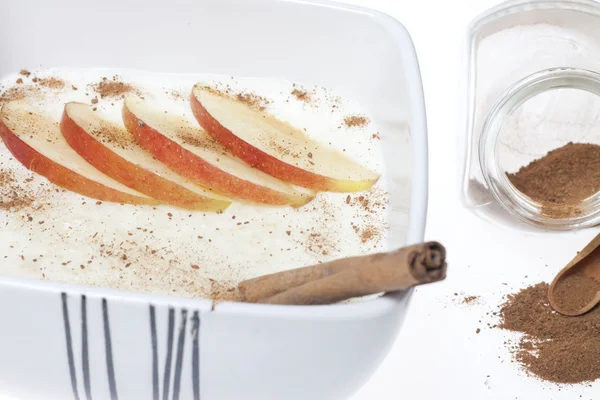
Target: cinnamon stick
<point x="350" y="277"/>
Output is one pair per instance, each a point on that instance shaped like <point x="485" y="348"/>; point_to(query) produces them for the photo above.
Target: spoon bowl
<point x="587" y="263"/>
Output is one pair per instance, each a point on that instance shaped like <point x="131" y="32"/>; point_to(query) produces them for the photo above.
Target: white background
<point x="438" y="354"/>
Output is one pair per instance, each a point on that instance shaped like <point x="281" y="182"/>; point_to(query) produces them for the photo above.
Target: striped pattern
<point x="175" y="349"/>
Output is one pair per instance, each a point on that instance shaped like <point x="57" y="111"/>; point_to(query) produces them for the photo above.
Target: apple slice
<point x="113" y="150"/>
<point x="34" y="139"/>
<point x="276" y="147"/>
<point x="191" y="152"/>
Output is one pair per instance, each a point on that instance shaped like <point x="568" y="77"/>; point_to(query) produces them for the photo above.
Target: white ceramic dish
<point x="63" y="341"/>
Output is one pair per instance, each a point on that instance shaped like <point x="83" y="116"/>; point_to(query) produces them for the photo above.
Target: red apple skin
<point x="64" y="177"/>
<point x="193" y="167"/>
<point x="256" y="157"/>
<point x="267" y="163"/>
<point x="132" y="175"/>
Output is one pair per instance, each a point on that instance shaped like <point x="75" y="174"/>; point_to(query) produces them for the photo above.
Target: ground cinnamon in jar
<point x="554" y="347"/>
<point x="565" y="176"/>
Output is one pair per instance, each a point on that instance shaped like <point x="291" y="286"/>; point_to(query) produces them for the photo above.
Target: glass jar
<point x="533" y="79"/>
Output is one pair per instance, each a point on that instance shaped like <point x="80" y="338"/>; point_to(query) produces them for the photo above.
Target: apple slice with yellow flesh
<point x="276" y="147"/>
<point x="34" y="139"/>
<point x="191" y="152"/>
<point x="113" y="150"/>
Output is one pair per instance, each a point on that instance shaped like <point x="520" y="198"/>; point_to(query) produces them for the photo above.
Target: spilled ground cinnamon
<point x="565" y="176"/>
<point x="554" y="347"/>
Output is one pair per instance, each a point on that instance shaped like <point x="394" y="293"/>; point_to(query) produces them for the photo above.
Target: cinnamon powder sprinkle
<point x="369" y="233"/>
<point x="302" y="95"/>
<point x="113" y="88"/>
<point x="253" y="100"/>
<point x="372" y="201"/>
<point x="110" y="134"/>
<point x="248" y="98"/>
<point x="356" y="121"/>
<point x="19" y="93"/>
<point x="176" y="95"/>
<point x="318" y="240"/>
<point x="223" y="291"/>
<point x="52" y="83"/>
<point x="369" y="221"/>
<point x="14" y="195"/>
<point x="470" y="299"/>
<point x="200" y="140"/>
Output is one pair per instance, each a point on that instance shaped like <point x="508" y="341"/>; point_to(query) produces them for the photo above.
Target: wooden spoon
<point x="586" y="262"/>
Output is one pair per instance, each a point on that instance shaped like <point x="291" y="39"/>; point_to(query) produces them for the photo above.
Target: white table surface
<point x="438" y="354"/>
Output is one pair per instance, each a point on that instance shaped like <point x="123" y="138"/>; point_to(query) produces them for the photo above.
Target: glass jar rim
<point x="510" y="198"/>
